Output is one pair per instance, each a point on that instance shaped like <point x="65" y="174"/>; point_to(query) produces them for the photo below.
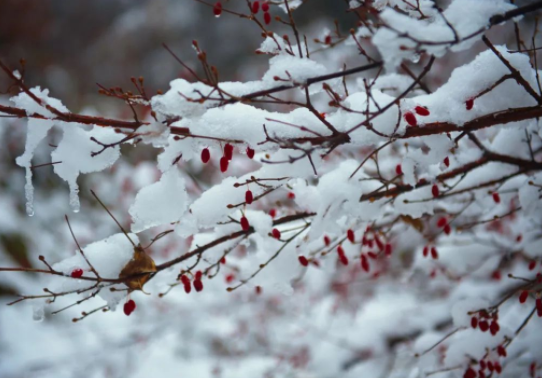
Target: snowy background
<point x="372" y="307"/>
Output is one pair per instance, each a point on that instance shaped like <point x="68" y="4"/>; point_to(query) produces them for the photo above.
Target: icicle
<point x="74" y="198"/>
<point x="38" y="313"/>
<point x="29" y="192"/>
<point x="415" y="57"/>
<point x="37" y="130"/>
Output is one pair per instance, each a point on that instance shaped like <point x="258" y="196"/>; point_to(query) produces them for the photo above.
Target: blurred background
<point x="70" y="46"/>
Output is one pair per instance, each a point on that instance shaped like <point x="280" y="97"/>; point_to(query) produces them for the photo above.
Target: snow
<point x="108" y="257"/>
<point x="75" y="152"/>
<point x="465" y="16"/>
<point x="161" y="203"/>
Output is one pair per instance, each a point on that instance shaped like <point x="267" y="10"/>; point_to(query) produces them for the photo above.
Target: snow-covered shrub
<point x="355" y="211"/>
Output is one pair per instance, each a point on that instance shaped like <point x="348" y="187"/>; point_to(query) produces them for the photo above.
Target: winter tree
<point x="368" y="205"/>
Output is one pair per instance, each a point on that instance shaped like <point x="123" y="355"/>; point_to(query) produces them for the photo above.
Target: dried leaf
<point x="416" y="223"/>
<point x="134" y="271"/>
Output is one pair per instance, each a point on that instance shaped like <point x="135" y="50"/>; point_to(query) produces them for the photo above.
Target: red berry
<point x="398" y="170"/>
<point x="205" y="155"/>
<point x="258" y="290"/>
<point x="442" y="222"/>
<point x="494" y="327"/>
<point x="198" y="275"/>
<point x="388" y="249"/>
<point x="77" y="273"/>
<point x="365" y="263"/>
<point x="327" y="240"/>
<point x="223" y="260"/>
<point x="435" y="191"/>
<point x="223" y="164"/>
<point x="446" y="161"/>
<point x="490" y="366"/>
<point x="372" y="255"/>
<point x="255" y="6"/>
<point x="532" y="264"/>
<point x="483" y="326"/>
<point x="523" y="296"/>
<point x="249" y="197"/>
<point x="539" y="307"/>
<point x="129" y="307"/>
<point x="198" y="285"/>
<point x="425" y="251"/>
<point x="496" y="275"/>
<point x="482" y="365"/>
<point x="410" y="118"/>
<point x="420" y="110"/>
<point x="265" y="6"/>
<point x="447" y="229"/>
<point x="303" y="260"/>
<point x="250" y="152"/>
<point x="291" y="195"/>
<point x="343" y="259"/>
<point x="469" y="373"/>
<point x="272" y="213"/>
<point x="187" y="287"/>
<point x="434" y="253"/>
<point x="498" y="367"/>
<point x="469" y="103"/>
<point x="244" y="224"/>
<point x="327" y="40"/>
<point x="228" y="151"/>
<point x="340" y="250"/>
<point x="229" y="278"/>
<point x="350" y="236"/>
<point x="217" y="9"/>
<point x="379" y="243"/>
<point x="474" y="322"/>
<point x="496" y="197"/>
<point x="266" y="17"/>
<point x="275" y="233"/>
<point x="501" y="351"/>
<point x="185" y="280"/>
